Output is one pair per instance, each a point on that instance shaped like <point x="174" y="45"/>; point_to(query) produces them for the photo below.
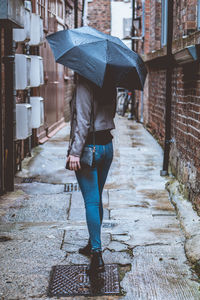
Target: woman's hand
<point x="74" y="162"/>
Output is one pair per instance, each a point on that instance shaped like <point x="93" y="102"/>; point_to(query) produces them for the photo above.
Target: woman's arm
<point x="84" y="94"/>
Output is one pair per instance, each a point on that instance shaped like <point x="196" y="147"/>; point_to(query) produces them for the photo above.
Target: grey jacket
<point x="81" y="111"/>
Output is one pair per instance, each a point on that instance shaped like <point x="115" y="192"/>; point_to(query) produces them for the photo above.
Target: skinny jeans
<point x="91" y="181"/>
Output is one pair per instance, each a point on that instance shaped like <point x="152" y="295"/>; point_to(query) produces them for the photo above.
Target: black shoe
<point x="86" y="250"/>
<point x="97" y="264"/>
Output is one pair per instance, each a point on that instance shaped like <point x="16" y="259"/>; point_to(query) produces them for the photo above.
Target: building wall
<point x="185" y="151"/>
<point x="57" y="89"/>
<point x="185" y="114"/>
<point x="99" y="15"/>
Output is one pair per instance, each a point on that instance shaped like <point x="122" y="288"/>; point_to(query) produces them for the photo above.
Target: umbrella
<point x="99" y="57"/>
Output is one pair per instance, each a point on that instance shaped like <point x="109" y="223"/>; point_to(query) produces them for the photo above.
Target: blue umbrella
<point x="99" y="57"/>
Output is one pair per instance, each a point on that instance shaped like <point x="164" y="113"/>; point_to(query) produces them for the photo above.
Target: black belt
<point x="102" y="137"/>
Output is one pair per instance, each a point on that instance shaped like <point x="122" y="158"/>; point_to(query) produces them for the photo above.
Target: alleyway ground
<point x="42" y="225"/>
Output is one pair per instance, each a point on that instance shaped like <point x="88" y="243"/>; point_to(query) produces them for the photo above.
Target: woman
<point x="100" y="103"/>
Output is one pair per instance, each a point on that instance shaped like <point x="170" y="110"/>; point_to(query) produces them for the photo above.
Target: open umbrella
<point x="98" y="57"/>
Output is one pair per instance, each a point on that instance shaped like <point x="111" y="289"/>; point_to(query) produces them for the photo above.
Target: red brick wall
<point x="156" y="103"/>
<point x="185" y="123"/>
<point x="99" y="15"/>
<point x="185" y="17"/>
<point x="147" y="27"/>
<point x="185" y="151"/>
<point x="155" y="25"/>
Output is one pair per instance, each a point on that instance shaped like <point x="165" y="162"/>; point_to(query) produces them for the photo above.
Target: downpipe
<point x="168" y="140"/>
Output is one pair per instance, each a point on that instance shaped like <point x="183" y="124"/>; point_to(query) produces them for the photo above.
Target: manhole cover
<point x="72" y="280"/>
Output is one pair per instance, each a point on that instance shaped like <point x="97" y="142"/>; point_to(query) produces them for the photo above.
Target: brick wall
<point x="185" y="151"/>
<point x="185" y="122"/>
<point x="185" y="17"/>
<point x="156" y="103"/>
<point x="99" y="15"/>
<point x="155" y="24"/>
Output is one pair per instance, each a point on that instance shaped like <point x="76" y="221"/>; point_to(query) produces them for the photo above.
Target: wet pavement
<point x="42" y="225"/>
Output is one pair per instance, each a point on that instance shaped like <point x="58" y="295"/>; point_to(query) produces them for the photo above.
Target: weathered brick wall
<point x="147" y="27"/>
<point x="156" y="103"/>
<point x="185" y="151"/>
<point x="155" y="25"/>
<point x="185" y="17"/>
<point x="99" y="15"/>
<point x="185" y="122"/>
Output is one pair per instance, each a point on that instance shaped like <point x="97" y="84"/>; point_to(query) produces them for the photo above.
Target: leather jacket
<point x="86" y="96"/>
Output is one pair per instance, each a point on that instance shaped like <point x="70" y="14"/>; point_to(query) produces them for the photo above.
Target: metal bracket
<point x="136" y="38"/>
<point x="169" y="141"/>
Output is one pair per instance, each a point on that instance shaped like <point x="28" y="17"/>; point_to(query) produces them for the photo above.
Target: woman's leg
<point x="88" y="182"/>
<point x="103" y="169"/>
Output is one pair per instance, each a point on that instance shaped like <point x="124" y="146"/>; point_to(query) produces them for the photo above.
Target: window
<point x="51" y="8"/>
<point x="127" y="24"/>
<point x="164" y="22"/>
<point x="41" y="10"/>
<point x="60" y="9"/>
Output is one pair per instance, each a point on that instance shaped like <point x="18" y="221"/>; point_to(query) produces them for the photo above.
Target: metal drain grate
<point x="71" y="187"/>
<point x="72" y="280"/>
<point x="27" y="180"/>
<point x="108" y="225"/>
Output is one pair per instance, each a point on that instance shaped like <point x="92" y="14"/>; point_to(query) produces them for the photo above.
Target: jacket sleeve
<point x="84" y="96"/>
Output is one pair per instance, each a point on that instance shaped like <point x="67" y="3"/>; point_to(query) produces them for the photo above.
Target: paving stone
<point x="116" y="257"/>
<point x="159" y="272"/>
<point x="117" y="246"/>
<point x="79" y="214"/>
<point x="129" y="213"/>
<point x="38" y="208"/>
<point x="37" y="188"/>
<point x="120" y="237"/>
<point x="26" y="261"/>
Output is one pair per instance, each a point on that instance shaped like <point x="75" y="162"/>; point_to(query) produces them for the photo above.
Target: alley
<point x="42" y="223"/>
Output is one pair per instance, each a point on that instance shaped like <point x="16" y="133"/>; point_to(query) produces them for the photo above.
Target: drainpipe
<point x="133" y="47"/>
<point x="133" y="29"/>
<point x="83" y="13"/>
<point x="10" y="109"/>
<point x="27" y="51"/>
<point x="75" y="13"/>
<point x="1" y="127"/>
<point x="143" y="34"/>
<point x="164" y="171"/>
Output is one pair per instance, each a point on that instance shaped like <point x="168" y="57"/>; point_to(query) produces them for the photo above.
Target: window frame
<point x="41" y="5"/>
<point x="60" y="20"/>
<point x="164" y="25"/>
<point x="198" y="15"/>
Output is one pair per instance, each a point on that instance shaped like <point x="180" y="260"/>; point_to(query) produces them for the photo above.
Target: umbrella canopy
<point x="98" y="57"/>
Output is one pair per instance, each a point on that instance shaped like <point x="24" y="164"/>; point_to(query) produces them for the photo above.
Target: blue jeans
<point x="91" y="182"/>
